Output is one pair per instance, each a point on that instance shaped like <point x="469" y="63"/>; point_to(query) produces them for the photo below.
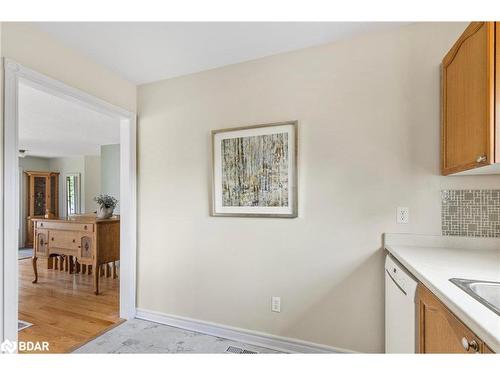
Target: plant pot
<point x="104" y="212"/>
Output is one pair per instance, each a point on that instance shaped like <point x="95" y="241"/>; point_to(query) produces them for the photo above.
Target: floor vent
<point x="21" y="324"/>
<point x="235" y="350"/>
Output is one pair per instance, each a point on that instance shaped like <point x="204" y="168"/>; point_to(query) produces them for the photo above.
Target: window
<point x="72" y="194"/>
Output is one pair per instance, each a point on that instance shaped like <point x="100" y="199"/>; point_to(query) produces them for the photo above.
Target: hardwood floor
<point x="63" y="308"/>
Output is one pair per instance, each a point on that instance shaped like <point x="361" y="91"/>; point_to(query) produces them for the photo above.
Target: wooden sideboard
<point x="93" y="242"/>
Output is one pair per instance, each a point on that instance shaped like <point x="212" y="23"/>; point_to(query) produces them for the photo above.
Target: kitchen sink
<point x="486" y="292"/>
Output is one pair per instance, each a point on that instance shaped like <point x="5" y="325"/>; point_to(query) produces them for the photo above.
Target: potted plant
<point x="106" y="204"/>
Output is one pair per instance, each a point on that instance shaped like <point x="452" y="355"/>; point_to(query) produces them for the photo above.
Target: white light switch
<point x="403" y="215"/>
<point x="276" y="304"/>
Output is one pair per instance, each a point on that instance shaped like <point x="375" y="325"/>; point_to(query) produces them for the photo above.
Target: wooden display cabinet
<point x="43" y="199"/>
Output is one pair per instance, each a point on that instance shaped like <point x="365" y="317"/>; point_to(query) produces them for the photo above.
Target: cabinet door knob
<point x="481" y="159"/>
<point x="470" y="345"/>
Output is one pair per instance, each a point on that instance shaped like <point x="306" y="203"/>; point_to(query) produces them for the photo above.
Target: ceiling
<point x="144" y="52"/>
<point x="53" y="127"/>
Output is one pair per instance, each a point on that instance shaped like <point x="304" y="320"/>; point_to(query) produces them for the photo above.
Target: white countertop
<point x="435" y="265"/>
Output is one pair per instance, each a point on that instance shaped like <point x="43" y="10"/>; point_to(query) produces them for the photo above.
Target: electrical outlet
<point x="276" y="304"/>
<point x="403" y="215"/>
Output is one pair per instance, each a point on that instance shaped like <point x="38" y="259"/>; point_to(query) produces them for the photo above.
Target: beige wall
<point x="35" y="49"/>
<point x="368" y="112"/>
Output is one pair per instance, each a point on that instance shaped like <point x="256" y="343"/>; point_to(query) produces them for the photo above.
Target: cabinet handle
<point x="74" y="240"/>
<point x="481" y="159"/>
<point x="468" y="345"/>
<point x="52" y="239"/>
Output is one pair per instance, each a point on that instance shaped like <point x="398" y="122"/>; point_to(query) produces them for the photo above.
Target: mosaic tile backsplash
<point x="473" y="213"/>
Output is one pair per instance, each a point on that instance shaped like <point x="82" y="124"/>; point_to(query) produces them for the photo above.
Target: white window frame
<point x="78" y="190"/>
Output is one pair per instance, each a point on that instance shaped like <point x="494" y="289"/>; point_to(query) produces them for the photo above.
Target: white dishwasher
<point x="400" y="308"/>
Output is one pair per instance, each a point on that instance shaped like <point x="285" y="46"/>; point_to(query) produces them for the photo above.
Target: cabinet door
<point x="468" y="100"/>
<point x="86" y="248"/>
<point x="39" y="195"/>
<point x="487" y="350"/>
<point x="440" y="331"/>
<point x="53" y="195"/>
<point x="41" y="245"/>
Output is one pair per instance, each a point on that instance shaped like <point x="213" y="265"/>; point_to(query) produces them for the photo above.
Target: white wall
<point x="110" y="172"/>
<point x="64" y="166"/>
<point x="92" y="182"/>
<point x="90" y="178"/>
<point x="368" y="112"/>
<point x="33" y="163"/>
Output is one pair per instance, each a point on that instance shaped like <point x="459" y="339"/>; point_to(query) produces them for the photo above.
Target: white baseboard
<point x="279" y="343"/>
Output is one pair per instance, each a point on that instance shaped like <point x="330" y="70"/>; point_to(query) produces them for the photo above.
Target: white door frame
<point x="21" y="208"/>
<point x="13" y="74"/>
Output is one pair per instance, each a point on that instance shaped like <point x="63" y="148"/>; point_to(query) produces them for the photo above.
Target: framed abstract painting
<point x="255" y="171"/>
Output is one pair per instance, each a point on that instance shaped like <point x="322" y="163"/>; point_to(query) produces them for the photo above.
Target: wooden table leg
<point x="33" y="260"/>
<point x="71" y="264"/>
<point x="96" y="278"/>
<point x="114" y="275"/>
<point x="107" y="270"/>
<point x="84" y="269"/>
<point x="50" y="262"/>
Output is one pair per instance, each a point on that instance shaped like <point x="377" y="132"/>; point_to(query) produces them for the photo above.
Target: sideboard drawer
<point x="64" y="239"/>
<point x="82" y="227"/>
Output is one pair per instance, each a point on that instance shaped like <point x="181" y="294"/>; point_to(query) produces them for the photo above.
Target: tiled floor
<point x="140" y="336"/>
<point x="26" y="252"/>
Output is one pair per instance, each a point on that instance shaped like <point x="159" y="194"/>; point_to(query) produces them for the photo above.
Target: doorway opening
<point x="69" y="263"/>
